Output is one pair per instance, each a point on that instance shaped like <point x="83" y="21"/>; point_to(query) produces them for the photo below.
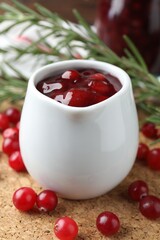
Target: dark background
<point x="87" y="8"/>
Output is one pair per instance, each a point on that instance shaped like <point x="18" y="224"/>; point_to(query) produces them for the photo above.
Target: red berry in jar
<point x="66" y="228"/>
<point x="47" y="200"/>
<point x="139" y="20"/>
<point x="149" y="130"/>
<point x="79" y="98"/>
<point x="4" y="122"/>
<point x="24" y="198"/>
<point x="71" y="75"/>
<point x="102" y="87"/>
<point x="142" y="152"/>
<point x="80" y="88"/>
<point x="98" y="77"/>
<point x="137" y="190"/>
<point x="153" y="159"/>
<point x="13" y="115"/>
<point x="149" y="206"/>
<point x="10" y="145"/>
<point x="108" y="223"/>
<point x="16" y="162"/>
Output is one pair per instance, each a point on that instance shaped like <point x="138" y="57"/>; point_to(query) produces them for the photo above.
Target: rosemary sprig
<point x="12" y="88"/>
<point x="72" y="39"/>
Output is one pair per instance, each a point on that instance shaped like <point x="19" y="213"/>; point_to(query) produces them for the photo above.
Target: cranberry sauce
<point x="80" y="88"/>
<point x="138" y="19"/>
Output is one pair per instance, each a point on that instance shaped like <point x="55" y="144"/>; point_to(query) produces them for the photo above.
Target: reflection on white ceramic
<point x="80" y="153"/>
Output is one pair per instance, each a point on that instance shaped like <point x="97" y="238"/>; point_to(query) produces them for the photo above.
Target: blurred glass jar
<point x="138" y="19"/>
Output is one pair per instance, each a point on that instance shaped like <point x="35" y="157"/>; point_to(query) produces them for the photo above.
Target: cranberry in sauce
<point x="79" y="88"/>
<point x="138" y="19"/>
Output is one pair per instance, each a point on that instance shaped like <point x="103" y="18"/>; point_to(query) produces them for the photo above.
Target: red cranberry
<point x="142" y="152"/>
<point x="98" y="77"/>
<point x="79" y="97"/>
<point x="4" y="121"/>
<point x="10" y="145"/>
<point x="149" y="130"/>
<point x="47" y="200"/>
<point x="102" y="87"/>
<point x="137" y="190"/>
<point x="13" y="114"/>
<point x="149" y="206"/>
<point x="71" y="75"/>
<point x="24" y="198"/>
<point x="16" y="162"/>
<point x="153" y="159"/>
<point x="12" y="133"/>
<point x="108" y="223"/>
<point x="66" y="228"/>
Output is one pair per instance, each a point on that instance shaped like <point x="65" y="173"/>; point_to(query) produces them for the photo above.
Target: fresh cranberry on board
<point x="153" y="159"/>
<point x="13" y="114"/>
<point x="4" y="122"/>
<point x="24" y="198"/>
<point x="149" y="130"/>
<point x="12" y="133"/>
<point x="142" y="152"/>
<point x="16" y="162"/>
<point x="149" y="206"/>
<point x="47" y="201"/>
<point x="66" y="228"/>
<point x="137" y="190"/>
<point x="108" y="223"/>
<point x="10" y="145"/>
<point x="80" y="88"/>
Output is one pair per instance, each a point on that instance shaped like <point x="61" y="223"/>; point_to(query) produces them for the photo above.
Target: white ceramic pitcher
<point x="79" y="152"/>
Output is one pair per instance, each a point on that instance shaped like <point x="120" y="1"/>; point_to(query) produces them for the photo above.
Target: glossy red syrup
<point x="80" y="88"/>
